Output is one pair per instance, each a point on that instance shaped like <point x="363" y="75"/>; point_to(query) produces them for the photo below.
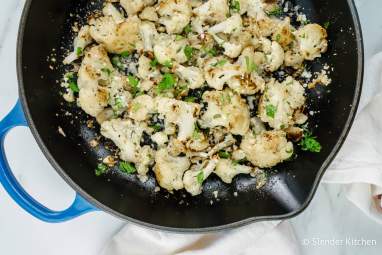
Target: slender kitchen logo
<point x="348" y="241"/>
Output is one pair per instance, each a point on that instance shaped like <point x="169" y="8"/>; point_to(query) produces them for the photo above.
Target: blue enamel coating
<point x="79" y="206"/>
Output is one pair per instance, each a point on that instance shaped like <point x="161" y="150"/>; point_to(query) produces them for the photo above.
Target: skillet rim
<point x="100" y="206"/>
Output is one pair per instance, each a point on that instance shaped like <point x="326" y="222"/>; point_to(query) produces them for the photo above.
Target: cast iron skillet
<point x="46" y="25"/>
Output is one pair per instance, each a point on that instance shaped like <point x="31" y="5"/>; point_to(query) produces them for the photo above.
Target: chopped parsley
<point x="309" y="143"/>
<point x="200" y="177"/>
<point x="118" y="104"/>
<point x="166" y="83"/>
<point x="154" y="62"/>
<point x="190" y="99"/>
<point x="224" y="154"/>
<point x="79" y="51"/>
<point x="212" y="52"/>
<point x="167" y="64"/>
<point x="74" y="87"/>
<point x="156" y="127"/>
<point x="220" y="63"/>
<point x="101" y="169"/>
<point x="187" y="29"/>
<point x="278" y="38"/>
<point x="326" y="24"/>
<point x="251" y="66"/>
<point x="235" y="6"/>
<point x="276" y="11"/>
<point x="270" y="110"/>
<point x="134" y="84"/>
<point x="196" y="133"/>
<point x="116" y="61"/>
<point x="188" y="51"/>
<point x="106" y="71"/>
<point x="127" y="167"/>
<point x="179" y="37"/>
<point x="125" y="54"/>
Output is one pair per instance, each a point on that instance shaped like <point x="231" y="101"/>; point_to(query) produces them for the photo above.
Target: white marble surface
<point x="329" y="216"/>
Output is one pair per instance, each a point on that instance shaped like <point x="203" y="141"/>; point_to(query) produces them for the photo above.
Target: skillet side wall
<point x="45" y="27"/>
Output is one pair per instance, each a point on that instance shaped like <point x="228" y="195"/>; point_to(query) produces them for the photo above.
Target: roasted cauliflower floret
<point x="226" y="169"/>
<point x="110" y="10"/>
<point x="82" y="40"/>
<point x="274" y="55"/>
<point x="149" y="13"/>
<point x="92" y="76"/>
<point x="212" y="11"/>
<point x="180" y="113"/>
<point x="312" y="41"/>
<point x="174" y="15"/>
<point x="251" y="82"/>
<point x="231" y="25"/>
<point x="145" y="70"/>
<point x="127" y="135"/>
<point x="193" y="75"/>
<point x="119" y="98"/>
<point x="134" y="6"/>
<point x="227" y="109"/>
<point x="266" y="149"/>
<point x="148" y="32"/>
<point x="279" y="102"/>
<point x="140" y="107"/>
<point x="168" y="49"/>
<point x="193" y="179"/>
<point x="169" y="170"/>
<point x="293" y="58"/>
<point x="283" y="33"/>
<point x="116" y="38"/>
<point x="218" y="70"/>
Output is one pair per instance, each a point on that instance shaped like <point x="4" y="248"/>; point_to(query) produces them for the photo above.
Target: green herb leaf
<point x="179" y="37"/>
<point x="251" y="66"/>
<point x="190" y="99"/>
<point x="200" y="177"/>
<point x="188" y="51"/>
<point x="235" y="6"/>
<point x="74" y="87"/>
<point x="79" y="51"/>
<point x="196" y="133"/>
<point x="309" y="143"/>
<point x="101" y="169"/>
<point x="167" y="64"/>
<point x="154" y="62"/>
<point x="116" y="61"/>
<point x="224" y="154"/>
<point x="125" y="54"/>
<point x="220" y="63"/>
<point x="127" y="167"/>
<point x="187" y="29"/>
<point x="278" y="38"/>
<point x="156" y="127"/>
<point x="134" y="84"/>
<point x="277" y="11"/>
<point x="168" y="82"/>
<point x="271" y="110"/>
<point x="326" y="24"/>
<point x="106" y="71"/>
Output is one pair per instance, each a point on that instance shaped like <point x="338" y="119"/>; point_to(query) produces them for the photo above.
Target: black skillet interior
<point x="291" y="185"/>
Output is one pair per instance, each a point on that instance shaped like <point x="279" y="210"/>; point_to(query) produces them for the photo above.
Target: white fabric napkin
<point x="359" y="163"/>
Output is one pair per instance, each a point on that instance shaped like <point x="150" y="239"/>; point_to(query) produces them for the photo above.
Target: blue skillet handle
<point x="79" y="206"/>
